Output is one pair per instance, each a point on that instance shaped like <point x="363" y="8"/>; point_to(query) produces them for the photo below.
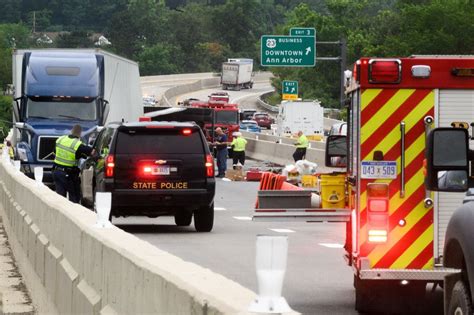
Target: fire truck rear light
<point x="209" y="165"/>
<point x="378" y="205"/>
<point x="463" y="72"/>
<point x="377" y="236"/>
<point x="385" y="71"/>
<point x="377" y="190"/>
<point x="421" y="72"/>
<point x="109" y="166"/>
<point x="402" y="223"/>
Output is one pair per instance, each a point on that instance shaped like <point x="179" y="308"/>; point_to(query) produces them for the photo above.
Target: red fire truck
<point x="396" y="228"/>
<point x="226" y="116"/>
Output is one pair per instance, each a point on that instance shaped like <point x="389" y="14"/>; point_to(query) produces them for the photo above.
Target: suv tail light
<point x="109" y="166"/>
<point x="209" y="166"/>
<point x="377" y="206"/>
<point x="186" y="131"/>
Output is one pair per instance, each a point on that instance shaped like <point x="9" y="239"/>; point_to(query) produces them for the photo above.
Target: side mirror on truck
<point x="447" y="160"/>
<point x="336" y="151"/>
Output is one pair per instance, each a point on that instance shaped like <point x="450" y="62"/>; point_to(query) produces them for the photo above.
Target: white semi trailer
<point x="55" y="89"/>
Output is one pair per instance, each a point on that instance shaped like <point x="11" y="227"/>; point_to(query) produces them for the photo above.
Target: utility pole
<point x="342" y="61"/>
<point x="34" y="22"/>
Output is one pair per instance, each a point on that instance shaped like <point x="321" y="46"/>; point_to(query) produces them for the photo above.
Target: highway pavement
<point x="317" y="279"/>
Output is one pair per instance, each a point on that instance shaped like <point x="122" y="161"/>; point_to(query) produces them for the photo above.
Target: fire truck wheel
<point x="183" y="218"/>
<point x="204" y="218"/>
<point x="460" y="303"/>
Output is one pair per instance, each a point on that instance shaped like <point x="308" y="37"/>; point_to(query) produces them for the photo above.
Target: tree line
<point x="181" y="36"/>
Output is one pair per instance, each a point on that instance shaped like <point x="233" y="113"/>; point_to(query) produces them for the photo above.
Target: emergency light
<point x="385" y="71"/>
<point x="419" y="71"/>
<point x="377" y="212"/>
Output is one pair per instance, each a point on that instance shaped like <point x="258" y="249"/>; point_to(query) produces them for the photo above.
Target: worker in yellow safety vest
<point x="69" y="149"/>
<point x="301" y="146"/>
<point x="238" y="148"/>
<point x="11" y="153"/>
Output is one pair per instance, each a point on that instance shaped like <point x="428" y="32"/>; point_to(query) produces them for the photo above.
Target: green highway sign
<point x="302" y="31"/>
<point x="287" y="51"/>
<point x="289" y="90"/>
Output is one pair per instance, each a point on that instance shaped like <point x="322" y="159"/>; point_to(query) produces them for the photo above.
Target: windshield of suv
<point x="156" y="141"/>
<point x="227" y="117"/>
<point x="62" y="110"/>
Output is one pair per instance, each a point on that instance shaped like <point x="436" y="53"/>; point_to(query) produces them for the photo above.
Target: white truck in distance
<point x="294" y="116"/>
<point x="237" y="74"/>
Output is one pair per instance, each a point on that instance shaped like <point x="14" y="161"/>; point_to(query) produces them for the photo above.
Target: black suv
<point x="153" y="169"/>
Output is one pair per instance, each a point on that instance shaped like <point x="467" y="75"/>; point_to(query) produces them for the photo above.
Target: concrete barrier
<point x="281" y="154"/>
<point x="284" y="140"/>
<point x="187" y="88"/>
<point x="74" y="268"/>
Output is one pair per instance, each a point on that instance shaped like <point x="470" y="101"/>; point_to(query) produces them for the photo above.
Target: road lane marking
<point x="243" y="218"/>
<point x="331" y="245"/>
<point x="282" y="230"/>
<point x="219" y="209"/>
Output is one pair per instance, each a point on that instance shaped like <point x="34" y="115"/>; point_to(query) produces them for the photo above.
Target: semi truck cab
<point x="57" y="91"/>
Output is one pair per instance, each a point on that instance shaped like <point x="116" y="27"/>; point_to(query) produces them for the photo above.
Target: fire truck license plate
<point x="379" y="169"/>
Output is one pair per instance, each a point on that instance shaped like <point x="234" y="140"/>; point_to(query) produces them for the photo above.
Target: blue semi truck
<point x="56" y="89"/>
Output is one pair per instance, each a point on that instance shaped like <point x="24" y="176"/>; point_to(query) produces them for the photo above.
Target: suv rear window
<point x="152" y="141"/>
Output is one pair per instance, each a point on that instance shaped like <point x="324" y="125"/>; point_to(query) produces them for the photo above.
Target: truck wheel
<point x="224" y="86"/>
<point x="183" y="218"/>
<point x="204" y="218"/>
<point x="460" y="303"/>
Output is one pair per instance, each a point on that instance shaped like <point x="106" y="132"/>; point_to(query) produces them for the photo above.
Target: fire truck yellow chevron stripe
<point x="397" y="233"/>
<point x="381" y="115"/>
<point x="429" y="264"/>
<point x="368" y="96"/>
<point x="416" y="148"/>
<point x="414" y="250"/>
<point x="414" y="117"/>
<point x="395" y="202"/>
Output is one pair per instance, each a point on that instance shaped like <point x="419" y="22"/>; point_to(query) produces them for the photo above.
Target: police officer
<point x="238" y="146"/>
<point x="221" y="147"/>
<point x="301" y="145"/>
<point x="69" y="149"/>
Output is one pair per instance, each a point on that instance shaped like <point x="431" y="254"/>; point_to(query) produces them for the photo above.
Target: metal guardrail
<point x="263" y="104"/>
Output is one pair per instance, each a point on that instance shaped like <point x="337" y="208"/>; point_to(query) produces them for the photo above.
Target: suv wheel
<point x="204" y="218"/>
<point x="183" y="218"/>
<point x="460" y="303"/>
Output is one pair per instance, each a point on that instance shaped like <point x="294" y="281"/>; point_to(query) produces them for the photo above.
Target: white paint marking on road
<point x="331" y="245"/>
<point x="243" y="218"/>
<point x="219" y="209"/>
<point x="282" y="230"/>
